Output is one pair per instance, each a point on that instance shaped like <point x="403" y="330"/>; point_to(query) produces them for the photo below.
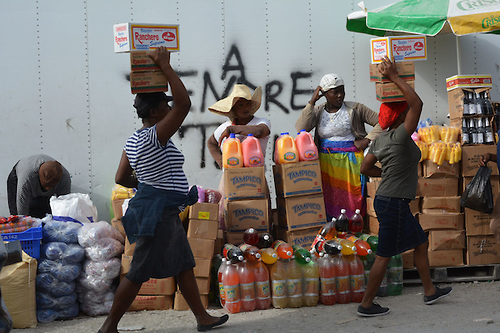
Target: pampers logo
<point x="301" y="209"/>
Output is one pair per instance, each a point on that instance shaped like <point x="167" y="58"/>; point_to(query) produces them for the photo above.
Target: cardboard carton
<point x="129" y="248"/>
<point x="140" y="61"/>
<point x="456" y="103"/>
<point x="373" y="225"/>
<point x="202" y="248"/>
<point x="235" y="238"/>
<point x="408" y="259"/>
<point x="399" y="48"/>
<point x="372" y="186"/>
<point x="180" y="303"/>
<point x="432" y="170"/>
<point x="446" y="240"/>
<point x="301" y="178"/>
<point x="469" y="81"/>
<point x="144" y="36"/>
<point x="148" y="82"/>
<point x="126" y="260"/>
<point x="243" y="214"/>
<point x="301" y="212"/>
<point x="482" y="250"/>
<point x="219" y="241"/>
<point x="470" y="159"/>
<point x="437" y="187"/>
<point x="303" y="237"/>
<point x="245" y="183"/>
<point x="441" y="204"/>
<point x="430" y="221"/>
<point x="143" y="302"/>
<point x="406" y="70"/>
<point x="446" y="258"/>
<point x="165" y="286"/>
<point x="477" y="223"/>
<point x="389" y="92"/>
<point x="116" y="205"/>
<point x="203" y="229"/>
<point x="204" y="211"/>
<point x="202" y="268"/>
<point x="117" y="224"/>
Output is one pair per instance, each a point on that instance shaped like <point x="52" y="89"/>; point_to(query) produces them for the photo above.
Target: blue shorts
<point x="399" y="230"/>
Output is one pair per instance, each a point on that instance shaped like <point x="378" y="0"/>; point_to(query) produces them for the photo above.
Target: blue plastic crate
<point x="30" y="240"/>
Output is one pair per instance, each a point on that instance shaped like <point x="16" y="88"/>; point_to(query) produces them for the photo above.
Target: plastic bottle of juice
<point x="232" y="253"/>
<point x="306" y="147"/>
<point x="268" y="255"/>
<point x="247" y="287"/>
<point x="310" y="273"/>
<point x="342" y="279"/>
<point x="356" y="278"/>
<point x="251" y="236"/>
<point x="348" y="247"/>
<point x="327" y="280"/>
<point x="231" y="284"/>
<point x="356" y="223"/>
<point x="326" y="232"/>
<point x="395" y="276"/>
<point x="302" y="256"/>
<point x="278" y="285"/>
<point x="265" y="240"/>
<point x="294" y="284"/>
<point x="232" y="154"/>
<point x="287" y="151"/>
<point x="252" y="152"/>
<point x="342" y="224"/>
<point x="284" y="250"/>
<point x="220" y="272"/>
<point x="332" y="247"/>
<point x="262" y="288"/>
<point x="362" y="247"/>
<point x="250" y="252"/>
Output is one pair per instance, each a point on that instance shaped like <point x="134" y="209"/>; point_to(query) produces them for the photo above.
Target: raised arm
<point x="388" y="69"/>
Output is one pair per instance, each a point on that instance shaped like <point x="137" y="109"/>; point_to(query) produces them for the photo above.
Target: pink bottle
<point x="252" y="152"/>
<point x="247" y="287"/>
<point x="356" y="278"/>
<point x="306" y="147"/>
<point x="262" y="285"/>
<point x="328" y="295"/>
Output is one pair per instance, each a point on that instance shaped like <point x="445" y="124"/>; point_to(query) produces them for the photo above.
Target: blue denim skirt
<point x="399" y="230"/>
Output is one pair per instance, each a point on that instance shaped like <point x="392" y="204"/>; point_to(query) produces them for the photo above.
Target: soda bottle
<point x="489" y="106"/>
<point x="362" y="247"/>
<point x="348" y="247"/>
<point x="287" y="151"/>
<point x="294" y="284"/>
<point x="310" y="272"/>
<point x="306" y="147"/>
<point x="472" y="103"/>
<point x="250" y="252"/>
<point x="231" y="285"/>
<point x="302" y="256"/>
<point x="480" y="131"/>
<point x="279" y="285"/>
<point x="252" y="152"/>
<point x="356" y="278"/>
<point x="368" y="263"/>
<point x="262" y="289"/>
<point x="372" y="240"/>
<point x="326" y="232"/>
<point x="220" y="272"/>
<point x="284" y="250"/>
<point x="327" y="280"/>
<point x="332" y="247"/>
<point x="342" y="279"/>
<point x="466" y="104"/>
<point x="265" y="240"/>
<point x="479" y="103"/>
<point x="395" y="275"/>
<point x="247" y="287"/>
<point x="232" y="253"/>
<point x="342" y="224"/>
<point x="268" y="255"/>
<point x="356" y="223"/>
<point x="488" y="134"/>
<point x="251" y="236"/>
<point x="232" y="155"/>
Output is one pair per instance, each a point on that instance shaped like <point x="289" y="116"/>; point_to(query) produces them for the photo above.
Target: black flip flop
<point x="222" y="320"/>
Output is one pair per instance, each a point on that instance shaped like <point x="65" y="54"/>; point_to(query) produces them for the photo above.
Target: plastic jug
<point x="232" y="155"/>
<point x="287" y="150"/>
<point x="252" y="152"/>
<point x="306" y="147"/>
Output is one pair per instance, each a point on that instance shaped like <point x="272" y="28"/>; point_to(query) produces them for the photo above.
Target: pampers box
<point x="144" y="36"/>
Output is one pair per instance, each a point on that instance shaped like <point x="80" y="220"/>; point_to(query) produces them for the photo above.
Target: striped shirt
<point x="154" y="164"/>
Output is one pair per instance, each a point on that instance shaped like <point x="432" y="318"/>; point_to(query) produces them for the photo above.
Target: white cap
<point x="330" y="81"/>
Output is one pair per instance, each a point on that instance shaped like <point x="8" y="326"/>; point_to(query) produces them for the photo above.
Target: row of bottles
<point x="477" y="103"/>
<point x="477" y="131"/>
<point x="236" y="154"/>
<point x="290" y="150"/>
<point x="392" y="284"/>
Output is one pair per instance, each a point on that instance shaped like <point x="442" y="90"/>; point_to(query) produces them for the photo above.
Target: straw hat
<point x="224" y="106"/>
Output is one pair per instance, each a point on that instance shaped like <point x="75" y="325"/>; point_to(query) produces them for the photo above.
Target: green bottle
<point x="395" y="276"/>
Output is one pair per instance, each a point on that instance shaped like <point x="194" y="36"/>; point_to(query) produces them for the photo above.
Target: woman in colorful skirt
<point x="341" y="138"/>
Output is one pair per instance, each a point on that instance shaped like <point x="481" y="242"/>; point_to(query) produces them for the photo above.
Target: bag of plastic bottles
<point x="67" y="253"/>
<point x="47" y="283"/>
<point x="105" y="269"/>
<point x="95" y="284"/>
<point x="57" y="231"/>
<point x="62" y="272"/>
<point x="46" y="301"/>
<point x="91" y="233"/>
<point x="103" y="249"/>
<point x="477" y="194"/>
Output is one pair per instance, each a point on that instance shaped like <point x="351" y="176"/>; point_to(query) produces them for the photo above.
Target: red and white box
<point x="129" y="37"/>
<point x="399" y="48"/>
<point x="469" y="81"/>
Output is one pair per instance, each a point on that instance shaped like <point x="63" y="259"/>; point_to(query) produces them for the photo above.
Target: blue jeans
<point x="399" y="230"/>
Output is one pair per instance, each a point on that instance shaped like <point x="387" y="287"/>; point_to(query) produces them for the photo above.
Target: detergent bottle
<point x="252" y="152"/>
<point x="306" y="147"/>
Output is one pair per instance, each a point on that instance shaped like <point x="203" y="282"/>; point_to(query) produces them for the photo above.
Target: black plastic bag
<point x="478" y="195"/>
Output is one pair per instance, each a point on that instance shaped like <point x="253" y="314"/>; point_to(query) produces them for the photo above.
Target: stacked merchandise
<point x="59" y="266"/>
<point x="471" y="109"/>
<point x="103" y="246"/>
<point x="297" y="179"/>
<point x="246" y="197"/>
<point x="202" y="233"/>
<point x="387" y="91"/>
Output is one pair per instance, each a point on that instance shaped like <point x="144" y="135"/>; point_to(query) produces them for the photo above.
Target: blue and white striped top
<point x="154" y="164"/>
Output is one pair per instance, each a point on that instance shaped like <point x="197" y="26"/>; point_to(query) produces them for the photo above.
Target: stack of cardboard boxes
<point x="246" y="202"/>
<point x="386" y="91"/>
<point x="300" y="202"/>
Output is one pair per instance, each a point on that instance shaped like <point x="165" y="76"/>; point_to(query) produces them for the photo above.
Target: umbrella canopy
<point x="429" y="17"/>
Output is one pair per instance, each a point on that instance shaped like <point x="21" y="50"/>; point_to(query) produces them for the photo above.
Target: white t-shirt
<point x="255" y="121"/>
<point x="336" y="126"/>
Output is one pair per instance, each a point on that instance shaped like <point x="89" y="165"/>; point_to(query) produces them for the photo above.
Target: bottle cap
<point x="357" y="211"/>
<point x="232" y="135"/>
<point x="342" y="211"/>
<point x="250" y="134"/>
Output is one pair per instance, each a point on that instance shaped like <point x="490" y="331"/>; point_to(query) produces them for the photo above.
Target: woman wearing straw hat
<point x="341" y="138"/>
<point x="239" y="107"/>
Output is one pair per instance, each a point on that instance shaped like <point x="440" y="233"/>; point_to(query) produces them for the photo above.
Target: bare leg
<point x="421" y="261"/>
<point x="124" y="296"/>
<point x="377" y="274"/>
<point x="189" y="289"/>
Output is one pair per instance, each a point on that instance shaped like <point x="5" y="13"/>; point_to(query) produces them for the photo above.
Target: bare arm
<point x="125" y="174"/>
<point x="388" y="69"/>
<point x="259" y="131"/>
<point x="173" y="120"/>
<point x="213" y="148"/>
<point x="307" y="118"/>
<point x="368" y="167"/>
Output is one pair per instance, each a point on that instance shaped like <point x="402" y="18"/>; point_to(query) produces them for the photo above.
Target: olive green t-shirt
<point x="399" y="157"/>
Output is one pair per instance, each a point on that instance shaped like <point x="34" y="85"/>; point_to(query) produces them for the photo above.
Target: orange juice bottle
<point x="287" y="150"/>
<point x="306" y="147"/>
<point x="232" y="155"/>
<point x="252" y="152"/>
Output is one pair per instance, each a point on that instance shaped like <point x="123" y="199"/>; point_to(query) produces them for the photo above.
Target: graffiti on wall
<point x="233" y="71"/>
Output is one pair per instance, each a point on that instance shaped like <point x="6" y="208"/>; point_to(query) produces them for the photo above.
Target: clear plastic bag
<point x="105" y="269"/>
<point x="477" y="194"/>
<point x="103" y="249"/>
<point x="95" y="284"/>
<point x="91" y="233"/>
